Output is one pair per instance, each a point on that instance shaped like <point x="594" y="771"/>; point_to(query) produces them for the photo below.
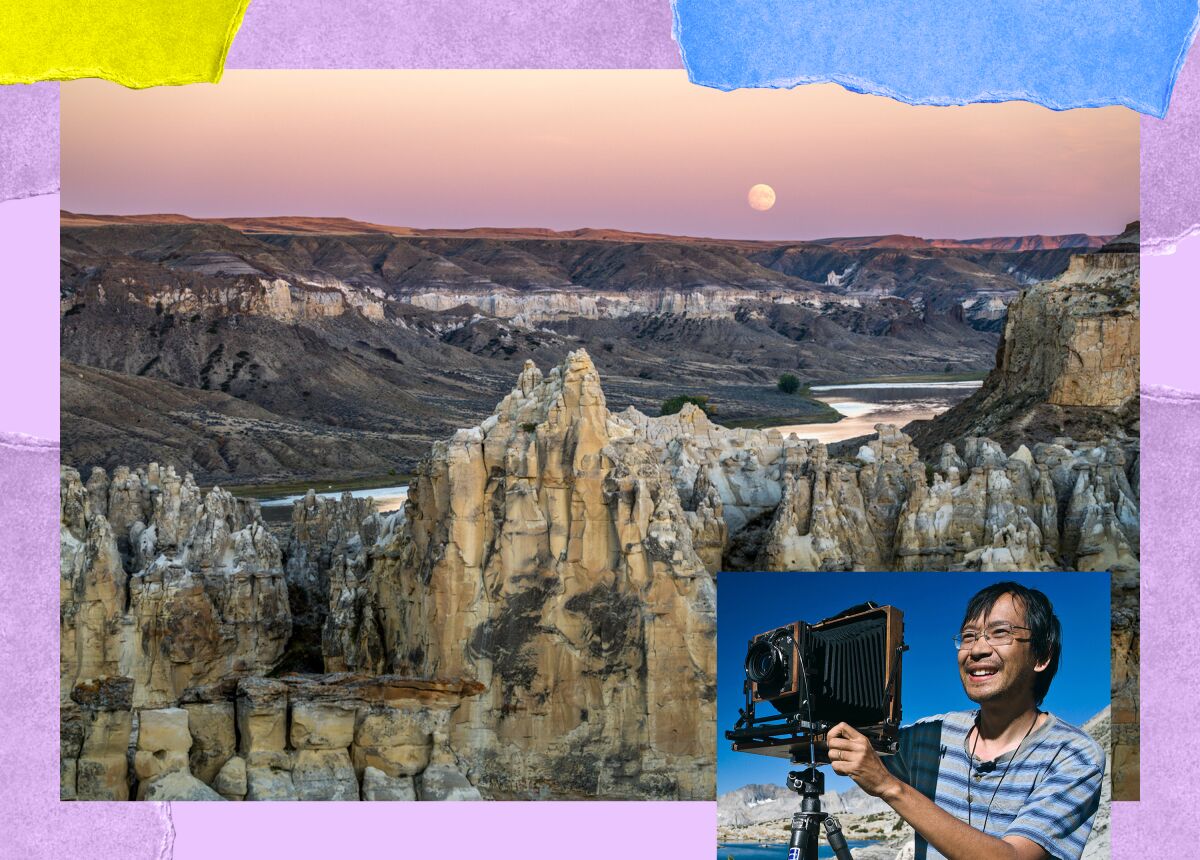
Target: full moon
<point x="761" y="197"/>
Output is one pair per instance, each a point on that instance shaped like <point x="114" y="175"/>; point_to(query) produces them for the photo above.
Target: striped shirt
<point x="1050" y="793"/>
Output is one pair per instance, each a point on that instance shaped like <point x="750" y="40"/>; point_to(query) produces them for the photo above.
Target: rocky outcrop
<point x="546" y="553"/>
<point x="326" y="575"/>
<point x="1099" y="844"/>
<point x="162" y="588"/>
<point x="295" y="738"/>
<point x="95" y="728"/>
<point x="177" y="785"/>
<point x="1077" y="338"/>
<point x="756" y="499"/>
<point x="736" y="474"/>
<point x="560" y="580"/>
<point x="165" y="585"/>
<point x="318" y="737"/>
<point x="1068" y="363"/>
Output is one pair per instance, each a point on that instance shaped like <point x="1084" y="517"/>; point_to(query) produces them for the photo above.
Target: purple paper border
<point x="468" y="34"/>
<point x="478" y="34"/>
<point x="28" y="140"/>
<point x="1171" y="166"/>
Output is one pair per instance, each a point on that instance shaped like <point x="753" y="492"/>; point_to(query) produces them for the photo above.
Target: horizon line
<point x="565" y="232"/>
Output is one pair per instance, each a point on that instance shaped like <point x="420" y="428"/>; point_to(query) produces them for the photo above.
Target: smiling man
<point x="1008" y="781"/>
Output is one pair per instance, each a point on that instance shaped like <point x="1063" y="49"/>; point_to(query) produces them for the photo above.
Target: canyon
<point x="284" y="349"/>
<point x="538" y="621"/>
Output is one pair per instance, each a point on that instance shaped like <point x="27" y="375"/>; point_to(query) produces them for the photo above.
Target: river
<point x="762" y="851"/>
<point x="864" y="405"/>
<point x="869" y="403"/>
<point x="387" y="499"/>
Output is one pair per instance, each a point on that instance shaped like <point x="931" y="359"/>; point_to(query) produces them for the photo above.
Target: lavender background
<point x="545" y="34"/>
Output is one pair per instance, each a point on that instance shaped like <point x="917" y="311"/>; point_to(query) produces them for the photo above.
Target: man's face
<point x="991" y="672"/>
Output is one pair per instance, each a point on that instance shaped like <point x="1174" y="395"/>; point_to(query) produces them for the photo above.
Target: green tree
<point x="672" y="405"/>
<point x="789" y="383"/>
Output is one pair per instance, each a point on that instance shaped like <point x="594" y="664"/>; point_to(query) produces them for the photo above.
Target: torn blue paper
<point x="1065" y="54"/>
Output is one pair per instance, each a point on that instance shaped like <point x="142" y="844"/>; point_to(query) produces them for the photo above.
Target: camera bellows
<point x="853" y="676"/>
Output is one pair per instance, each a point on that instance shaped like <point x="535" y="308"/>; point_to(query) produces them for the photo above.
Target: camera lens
<point x="763" y="662"/>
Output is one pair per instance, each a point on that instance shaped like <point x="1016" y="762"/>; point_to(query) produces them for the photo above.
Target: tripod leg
<point x="806" y="832"/>
<point x="837" y="839"/>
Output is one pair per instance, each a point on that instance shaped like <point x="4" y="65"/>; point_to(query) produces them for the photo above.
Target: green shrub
<point x="529" y="428"/>
<point x="789" y="383"/>
<point x="672" y="405"/>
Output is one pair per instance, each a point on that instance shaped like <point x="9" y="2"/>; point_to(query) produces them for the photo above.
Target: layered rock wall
<point x="1078" y="337"/>
<point x="331" y="737"/>
<point x="549" y="305"/>
<point x="277" y="298"/>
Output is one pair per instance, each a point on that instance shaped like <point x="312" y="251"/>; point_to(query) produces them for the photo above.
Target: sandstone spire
<point x="546" y="554"/>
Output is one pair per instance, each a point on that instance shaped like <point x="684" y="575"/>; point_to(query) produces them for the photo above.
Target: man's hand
<point x="851" y="754"/>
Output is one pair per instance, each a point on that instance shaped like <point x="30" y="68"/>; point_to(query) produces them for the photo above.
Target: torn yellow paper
<point x="136" y="43"/>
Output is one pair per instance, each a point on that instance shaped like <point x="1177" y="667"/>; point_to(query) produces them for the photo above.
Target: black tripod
<point x="806" y="824"/>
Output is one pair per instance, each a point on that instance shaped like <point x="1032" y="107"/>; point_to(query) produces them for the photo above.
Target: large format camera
<point x="842" y="669"/>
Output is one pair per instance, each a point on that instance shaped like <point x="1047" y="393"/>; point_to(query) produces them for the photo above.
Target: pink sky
<point x="634" y="150"/>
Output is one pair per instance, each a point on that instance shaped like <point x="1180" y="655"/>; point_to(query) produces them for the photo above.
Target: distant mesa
<point x="762" y="192"/>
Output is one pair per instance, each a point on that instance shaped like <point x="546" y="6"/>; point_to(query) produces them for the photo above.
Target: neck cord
<point x="1036" y="713"/>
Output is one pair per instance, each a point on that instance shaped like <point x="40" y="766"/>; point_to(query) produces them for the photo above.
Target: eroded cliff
<point x="1068" y="363"/>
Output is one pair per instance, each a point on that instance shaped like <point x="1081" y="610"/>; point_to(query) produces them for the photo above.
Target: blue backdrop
<point x="933" y="604"/>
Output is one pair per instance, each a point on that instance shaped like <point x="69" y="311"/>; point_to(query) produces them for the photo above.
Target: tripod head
<point x="806" y="824"/>
<point x="809" y="782"/>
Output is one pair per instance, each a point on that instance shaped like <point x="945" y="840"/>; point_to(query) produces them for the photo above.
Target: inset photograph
<point x="879" y="716"/>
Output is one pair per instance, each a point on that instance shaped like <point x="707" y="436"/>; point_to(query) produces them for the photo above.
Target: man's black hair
<point x="1045" y="630"/>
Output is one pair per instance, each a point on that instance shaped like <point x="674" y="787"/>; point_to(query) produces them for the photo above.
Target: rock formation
<point x="758" y="500"/>
<point x="164" y="585"/>
<point x="546" y="554"/>
<point x="1099" y="843"/>
<point x="538" y="621"/>
<point x="1068" y="362"/>
<point x="326" y="575"/>
<point x="544" y="558"/>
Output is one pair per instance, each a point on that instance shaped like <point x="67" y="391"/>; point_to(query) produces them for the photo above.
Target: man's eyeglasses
<point x="994" y="636"/>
